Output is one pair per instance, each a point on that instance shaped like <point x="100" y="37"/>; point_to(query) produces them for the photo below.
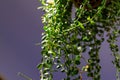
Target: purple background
<point x="20" y="30"/>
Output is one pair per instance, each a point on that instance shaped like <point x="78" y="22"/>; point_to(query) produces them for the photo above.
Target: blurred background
<point x="20" y="30"/>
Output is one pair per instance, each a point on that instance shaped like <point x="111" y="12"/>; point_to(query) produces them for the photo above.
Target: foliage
<point x="65" y="40"/>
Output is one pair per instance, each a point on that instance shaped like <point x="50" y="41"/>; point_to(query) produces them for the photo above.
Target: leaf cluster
<point x="65" y="40"/>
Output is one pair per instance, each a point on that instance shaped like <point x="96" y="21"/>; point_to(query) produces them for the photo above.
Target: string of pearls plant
<point x="66" y="40"/>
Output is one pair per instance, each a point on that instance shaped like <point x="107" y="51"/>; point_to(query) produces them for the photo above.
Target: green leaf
<point x="85" y="38"/>
<point x="74" y="71"/>
<point x="42" y="1"/>
<point x="81" y="25"/>
<point x="79" y="48"/>
<point x="90" y="20"/>
<point x="58" y="66"/>
<point x="62" y="70"/>
<point x="40" y="66"/>
<point x="77" y="59"/>
<point x="46" y="73"/>
<point x="51" y="52"/>
<point x="47" y="64"/>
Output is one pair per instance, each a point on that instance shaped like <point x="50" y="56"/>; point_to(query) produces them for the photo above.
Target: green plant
<point x="65" y="40"/>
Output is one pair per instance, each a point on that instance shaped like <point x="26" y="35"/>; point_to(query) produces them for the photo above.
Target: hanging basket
<point x="91" y="5"/>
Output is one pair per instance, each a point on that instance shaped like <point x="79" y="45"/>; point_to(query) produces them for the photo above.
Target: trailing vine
<point x="65" y="40"/>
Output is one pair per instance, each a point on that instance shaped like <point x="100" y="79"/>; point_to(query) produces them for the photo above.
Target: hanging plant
<point x="65" y="40"/>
